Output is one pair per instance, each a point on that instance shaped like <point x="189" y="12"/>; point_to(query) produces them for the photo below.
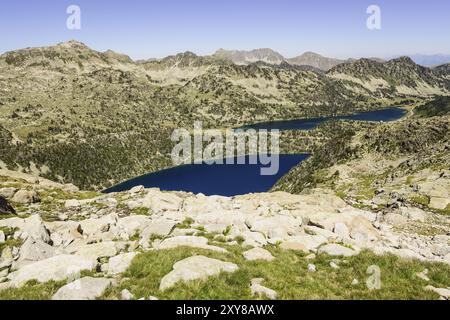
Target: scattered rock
<point x="312" y="268"/>
<point x="311" y="256"/>
<point x="355" y="282"/>
<point x="86" y="288"/>
<point x="188" y="241"/>
<point x="334" y="249"/>
<point x="439" y="202"/>
<point x="55" y="268"/>
<point x="296" y="246"/>
<point x="311" y="242"/>
<point x="34" y="228"/>
<point x="159" y="229"/>
<point x="126" y="295"/>
<point x="395" y="219"/>
<point x="334" y="265"/>
<point x="443" y="292"/>
<point x="158" y="201"/>
<point x="34" y="250"/>
<point x="341" y="230"/>
<point x="25" y="196"/>
<point x="258" y="254"/>
<point x="97" y="250"/>
<point x="5" y="207"/>
<point x="2" y="236"/>
<point x="120" y="263"/>
<point x="7" y="192"/>
<point x="69" y="204"/>
<point x="136" y="189"/>
<point x="133" y="224"/>
<point x="258" y="290"/>
<point x="195" y="268"/>
<point x="423" y="275"/>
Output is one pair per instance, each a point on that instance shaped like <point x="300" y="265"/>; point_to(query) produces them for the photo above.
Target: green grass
<point x="186" y="224"/>
<point x="9" y="242"/>
<point x="445" y="211"/>
<point x="32" y="291"/>
<point x="421" y="199"/>
<point x="140" y="211"/>
<point x="287" y="275"/>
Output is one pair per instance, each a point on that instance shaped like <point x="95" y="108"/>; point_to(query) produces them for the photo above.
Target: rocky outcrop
<point x="5" y="207"/>
<point x="195" y="268"/>
<point x="102" y="234"/>
<point x="57" y="268"/>
<point x="86" y="288"/>
<point x="259" y="290"/>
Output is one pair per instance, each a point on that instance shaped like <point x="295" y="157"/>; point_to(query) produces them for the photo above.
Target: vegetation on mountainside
<point x="96" y="119"/>
<point x="423" y="141"/>
<point x="438" y="107"/>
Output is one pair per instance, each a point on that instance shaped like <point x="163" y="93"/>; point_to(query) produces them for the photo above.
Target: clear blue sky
<point x="156" y="28"/>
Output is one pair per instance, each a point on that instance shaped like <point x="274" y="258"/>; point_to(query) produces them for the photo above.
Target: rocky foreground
<point x="86" y="243"/>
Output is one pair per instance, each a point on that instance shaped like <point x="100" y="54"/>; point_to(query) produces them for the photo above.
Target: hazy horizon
<point x="156" y="29"/>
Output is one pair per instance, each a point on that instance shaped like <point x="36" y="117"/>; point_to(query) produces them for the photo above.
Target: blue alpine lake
<point x="389" y="114"/>
<point x="215" y="179"/>
<point x="235" y="179"/>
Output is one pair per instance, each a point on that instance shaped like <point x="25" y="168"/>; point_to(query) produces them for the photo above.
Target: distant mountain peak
<point x="266" y="55"/>
<point x="73" y="44"/>
<point x="315" y="60"/>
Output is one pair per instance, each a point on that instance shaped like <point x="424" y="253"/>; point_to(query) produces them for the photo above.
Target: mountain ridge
<point x="61" y="104"/>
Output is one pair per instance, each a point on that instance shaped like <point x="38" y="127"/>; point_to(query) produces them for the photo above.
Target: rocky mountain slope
<point x="385" y="166"/>
<point x="73" y="114"/>
<point x="247" y="57"/>
<point x="315" y="60"/>
<point x="396" y="77"/>
<point x="269" y="56"/>
<point x="146" y="244"/>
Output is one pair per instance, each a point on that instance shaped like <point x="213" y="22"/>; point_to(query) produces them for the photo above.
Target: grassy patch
<point x="420" y="199"/>
<point x="32" y="291"/>
<point x="287" y="275"/>
<point x="445" y="211"/>
<point x="140" y="211"/>
<point x="186" y="224"/>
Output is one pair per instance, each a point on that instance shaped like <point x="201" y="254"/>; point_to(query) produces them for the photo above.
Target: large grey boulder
<point x="25" y="197"/>
<point x="158" y="201"/>
<point x="86" y="288"/>
<point x="188" y="241"/>
<point x="98" y="250"/>
<point x="34" y="228"/>
<point x="258" y="254"/>
<point x="310" y="242"/>
<point x="93" y="226"/>
<point x="5" y="207"/>
<point x="133" y="224"/>
<point x="34" y="250"/>
<point x="157" y="228"/>
<point x="334" y="249"/>
<point x="259" y="290"/>
<point x="119" y="264"/>
<point x="195" y="268"/>
<point x="7" y="192"/>
<point x="55" y="268"/>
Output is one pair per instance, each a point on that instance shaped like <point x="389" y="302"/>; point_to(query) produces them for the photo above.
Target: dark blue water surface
<point x="389" y="114"/>
<point x="215" y="179"/>
<point x="230" y="180"/>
